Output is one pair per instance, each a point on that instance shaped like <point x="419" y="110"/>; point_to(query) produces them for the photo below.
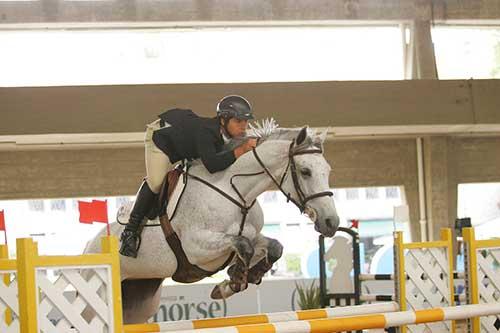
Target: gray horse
<point x="211" y="227"/>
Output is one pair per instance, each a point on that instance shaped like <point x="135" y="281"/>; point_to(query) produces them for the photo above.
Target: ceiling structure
<point x="129" y="13"/>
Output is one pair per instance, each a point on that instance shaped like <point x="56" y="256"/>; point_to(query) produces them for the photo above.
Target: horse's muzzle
<point x="327" y="226"/>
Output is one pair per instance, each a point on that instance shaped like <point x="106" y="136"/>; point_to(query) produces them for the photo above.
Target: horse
<point x="218" y="220"/>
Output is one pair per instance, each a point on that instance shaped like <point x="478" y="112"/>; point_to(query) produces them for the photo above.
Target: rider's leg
<point x="157" y="165"/>
<point x="130" y="235"/>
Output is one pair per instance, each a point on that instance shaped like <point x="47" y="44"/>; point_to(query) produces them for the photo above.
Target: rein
<point x="301" y="203"/>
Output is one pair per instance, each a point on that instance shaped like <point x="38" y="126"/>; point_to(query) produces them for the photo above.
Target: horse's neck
<point x="274" y="156"/>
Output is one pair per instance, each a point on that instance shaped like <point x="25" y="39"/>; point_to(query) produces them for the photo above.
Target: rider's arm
<point x="212" y="160"/>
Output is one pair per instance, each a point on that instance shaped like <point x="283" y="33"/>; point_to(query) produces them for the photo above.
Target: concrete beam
<point x="189" y="12"/>
<point x="124" y="109"/>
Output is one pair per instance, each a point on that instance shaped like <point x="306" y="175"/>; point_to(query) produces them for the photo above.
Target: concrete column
<point x="440" y="185"/>
<point x="411" y="193"/>
<point x="418" y="48"/>
<point x="425" y="59"/>
<point x="420" y="63"/>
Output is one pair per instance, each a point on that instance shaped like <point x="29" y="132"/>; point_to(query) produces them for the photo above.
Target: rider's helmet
<point x="234" y="106"/>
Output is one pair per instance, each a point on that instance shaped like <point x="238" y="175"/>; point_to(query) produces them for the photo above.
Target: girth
<point x="185" y="271"/>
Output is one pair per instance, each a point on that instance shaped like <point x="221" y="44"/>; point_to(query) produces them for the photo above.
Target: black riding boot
<point x="131" y="234"/>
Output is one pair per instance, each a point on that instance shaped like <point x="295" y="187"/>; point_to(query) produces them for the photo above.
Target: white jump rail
<point x="375" y="321"/>
<point x="263" y="318"/>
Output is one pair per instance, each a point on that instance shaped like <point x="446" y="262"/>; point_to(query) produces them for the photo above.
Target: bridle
<point x="301" y="203"/>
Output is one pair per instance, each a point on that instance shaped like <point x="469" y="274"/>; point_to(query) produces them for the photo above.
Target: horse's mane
<point x="268" y="130"/>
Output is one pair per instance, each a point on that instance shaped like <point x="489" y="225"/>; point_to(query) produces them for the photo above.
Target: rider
<point x="180" y="134"/>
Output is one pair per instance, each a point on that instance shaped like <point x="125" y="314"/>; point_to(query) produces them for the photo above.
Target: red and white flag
<point x="3" y="227"/>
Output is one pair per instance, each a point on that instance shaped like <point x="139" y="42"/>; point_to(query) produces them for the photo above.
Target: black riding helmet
<point x="234" y="106"/>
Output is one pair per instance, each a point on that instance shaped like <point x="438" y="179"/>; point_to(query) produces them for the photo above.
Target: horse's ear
<point x="322" y="136"/>
<point x="302" y="136"/>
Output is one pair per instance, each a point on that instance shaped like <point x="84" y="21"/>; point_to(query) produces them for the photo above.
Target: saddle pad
<point x="174" y="195"/>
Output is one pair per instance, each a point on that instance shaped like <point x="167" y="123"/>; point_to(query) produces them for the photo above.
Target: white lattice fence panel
<point x="428" y="284"/>
<point x="89" y="308"/>
<point x="488" y="277"/>
<point x="9" y="301"/>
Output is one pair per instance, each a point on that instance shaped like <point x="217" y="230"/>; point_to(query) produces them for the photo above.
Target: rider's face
<point x="237" y="127"/>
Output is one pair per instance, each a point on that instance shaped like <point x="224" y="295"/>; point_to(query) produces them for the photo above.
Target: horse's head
<point x="293" y="159"/>
<point x="306" y="180"/>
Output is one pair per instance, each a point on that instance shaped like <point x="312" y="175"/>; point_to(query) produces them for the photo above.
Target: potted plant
<point x="308" y="296"/>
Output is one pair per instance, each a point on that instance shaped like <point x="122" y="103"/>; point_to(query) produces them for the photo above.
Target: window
<point x="58" y="205"/>
<point x="392" y="192"/>
<point x="352" y="194"/>
<point x="481" y="203"/>
<point x="272" y="230"/>
<point x="54" y="222"/>
<point x="372" y="193"/>
<point x="188" y="56"/>
<point x="36" y="205"/>
<point x="467" y="52"/>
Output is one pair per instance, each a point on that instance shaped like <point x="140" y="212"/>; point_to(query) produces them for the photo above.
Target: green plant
<point x="308" y="297"/>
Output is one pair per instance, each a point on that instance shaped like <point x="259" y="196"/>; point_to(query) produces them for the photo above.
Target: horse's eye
<point x="305" y="172"/>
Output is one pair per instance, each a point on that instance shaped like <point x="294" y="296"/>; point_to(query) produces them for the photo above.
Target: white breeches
<point x="157" y="163"/>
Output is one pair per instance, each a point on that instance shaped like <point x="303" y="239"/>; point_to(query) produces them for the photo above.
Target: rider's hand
<point x="251" y="143"/>
<point x="247" y="146"/>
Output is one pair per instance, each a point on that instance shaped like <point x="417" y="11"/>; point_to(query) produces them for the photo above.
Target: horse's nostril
<point x="329" y="223"/>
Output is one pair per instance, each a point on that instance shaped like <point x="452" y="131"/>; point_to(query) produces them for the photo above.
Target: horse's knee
<point x="244" y="248"/>
<point x="274" y="250"/>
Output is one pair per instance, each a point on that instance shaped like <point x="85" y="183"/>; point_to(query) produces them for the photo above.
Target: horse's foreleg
<point x="268" y="251"/>
<point x="208" y="245"/>
<point x="238" y="272"/>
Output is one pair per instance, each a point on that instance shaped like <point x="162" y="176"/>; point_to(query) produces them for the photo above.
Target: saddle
<point x="167" y="199"/>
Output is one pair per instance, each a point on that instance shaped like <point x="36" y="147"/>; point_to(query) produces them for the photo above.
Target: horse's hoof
<point x="222" y="291"/>
<point x="216" y="293"/>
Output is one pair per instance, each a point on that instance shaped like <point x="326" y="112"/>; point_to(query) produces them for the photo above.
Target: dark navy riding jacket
<point x="192" y="137"/>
